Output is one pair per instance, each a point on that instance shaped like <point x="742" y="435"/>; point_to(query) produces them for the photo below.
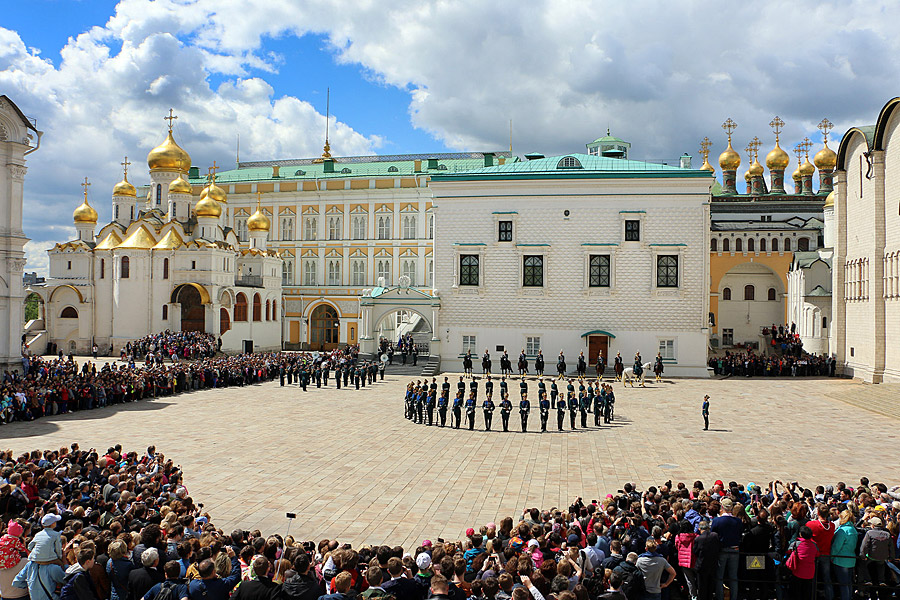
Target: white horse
<point x="628" y="375"/>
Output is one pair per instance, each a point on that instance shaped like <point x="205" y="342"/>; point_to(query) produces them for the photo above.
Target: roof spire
<point x="125" y="166"/>
<point x="326" y="150"/>
<point x="85" y="185"/>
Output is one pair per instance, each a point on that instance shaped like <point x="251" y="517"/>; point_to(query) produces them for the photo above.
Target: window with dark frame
<point x="533" y="271"/>
<point x="468" y="269"/>
<point x="599" y="271"/>
<point x="667" y="271"/>
<point x="632" y="231"/>
<point x="505" y="231"/>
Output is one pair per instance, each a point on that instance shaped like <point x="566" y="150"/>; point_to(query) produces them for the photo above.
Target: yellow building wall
<point x="722" y="262"/>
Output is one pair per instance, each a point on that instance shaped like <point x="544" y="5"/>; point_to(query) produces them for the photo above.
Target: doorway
<point x="324" y="328"/>
<point x="193" y="314"/>
<point x="598" y="345"/>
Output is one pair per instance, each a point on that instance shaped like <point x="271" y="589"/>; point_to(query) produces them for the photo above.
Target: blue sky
<point x="422" y="76"/>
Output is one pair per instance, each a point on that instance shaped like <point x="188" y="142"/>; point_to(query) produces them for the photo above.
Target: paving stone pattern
<point x="353" y="468"/>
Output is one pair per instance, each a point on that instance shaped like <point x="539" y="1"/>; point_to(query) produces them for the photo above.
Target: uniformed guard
<point x="561" y="366"/>
<point x="430" y="401"/>
<point x="461" y="387"/>
<point x="347" y="376"/>
<point x="524" y="409"/>
<point x="618" y="366"/>
<point x="433" y="386"/>
<point x="610" y="403"/>
<point x="420" y="405"/>
<point x="325" y="374"/>
<point x="457" y="409"/>
<point x="442" y="406"/>
<point x="470" y="411"/>
<point x="473" y="388"/>
<point x="572" y="403"/>
<point x="407" y="401"/>
<point x="304" y="379"/>
<point x="601" y="366"/>
<point x="356" y="377"/>
<point x="582" y="408"/>
<point x="505" y="364"/>
<point x="581" y="366"/>
<point x="445" y="387"/>
<point x="489" y="387"/>
<point x="599" y="392"/>
<point x="467" y="363"/>
<point x="523" y="363"/>
<point x="337" y="376"/>
<point x="554" y="393"/>
<point x="539" y="364"/>
<point x="658" y="367"/>
<point x="486" y="362"/>
<point x="504" y="387"/>
<point x="560" y="413"/>
<point x="505" y="409"/>
<point x="488" y="408"/>
<point x="281" y="374"/>
<point x="545" y="410"/>
<point x="523" y="388"/>
<point x="318" y="376"/>
<point x="542" y="388"/>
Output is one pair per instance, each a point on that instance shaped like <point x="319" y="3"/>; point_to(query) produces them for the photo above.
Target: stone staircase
<point x="433" y="367"/>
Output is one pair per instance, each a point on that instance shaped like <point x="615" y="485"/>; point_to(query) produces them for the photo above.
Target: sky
<point x="422" y="76"/>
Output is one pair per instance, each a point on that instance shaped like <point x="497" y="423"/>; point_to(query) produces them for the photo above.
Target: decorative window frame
<point x="633" y="215"/>
<point x="524" y="250"/>
<point x="674" y="340"/>
<point x="667" y="249"/>
<point x="495" y="232"/>
<point x="589" y="249"/>
<point x="460" y="249"/>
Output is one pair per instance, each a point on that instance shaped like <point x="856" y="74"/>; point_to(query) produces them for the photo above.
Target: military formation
<point x="344" y="371"/>
<point x="430" y="403"/>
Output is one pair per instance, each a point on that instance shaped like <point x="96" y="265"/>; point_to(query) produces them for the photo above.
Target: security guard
<point x="610" y="403"/>
<point x="470" y="411"/>
<point x="582" y="408"/>
<point x="445" y="387"/>
<point x="457" y="409"/>
<point x="420" y="405"/>
<point x="504" y="387"/>
<point x="461" y="386"/>
<point x="505" y="409"/>
<point x="488" y="408"/>
<point x="545" y="410"/>
<point x="524" y="409"/>
<point x="442" y="406"/>
<point x="473" y="388"/>
<point x="598" y="403"/>
<point x="429" y="406"/>
<point x="542" y="388"/>
<point x="523" y="388"/>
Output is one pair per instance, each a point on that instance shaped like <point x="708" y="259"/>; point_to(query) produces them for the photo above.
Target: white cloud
<point x="661" y="75"/>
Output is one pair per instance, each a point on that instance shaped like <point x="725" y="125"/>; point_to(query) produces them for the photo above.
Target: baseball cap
<point x="727" y="504"/>
<point x="423" y="561"/>
<point x="492" y="525"/>
<point x="533" y="542"/>
<point x="49" y="519"/>
<point x="875" y="522"/>
<point x="573" y="539"/>
<point x="470" y="532"/>
<point x="427" y="543"/>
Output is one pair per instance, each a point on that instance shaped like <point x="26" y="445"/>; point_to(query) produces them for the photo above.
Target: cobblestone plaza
<point x="353" y="468"/>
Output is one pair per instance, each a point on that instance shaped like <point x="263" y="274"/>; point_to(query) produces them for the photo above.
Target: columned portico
<point x="418" y="316"/>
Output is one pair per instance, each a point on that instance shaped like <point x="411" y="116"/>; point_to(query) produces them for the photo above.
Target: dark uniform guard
<point x="486" y="363"/>
<point x="473" y="388"/>
<point x="539" y="364"/>
<point x="429" y="405"/>
<point x="601" y="366"/>
<point x="572" y="403"/>
<point x="505" y="409"/>
<point x="524" y="409"/>
<point x="445" y="387"/>
<point x="408" y="402"/>
<point x="618" y="366"/>
<point x="542" y="388"/>
<point x="488" y="408"/>
<point x="420" y="405"/>
<point x="470" y="411"/>
<point x="442" y="406"/>
<point x="598" y="404"/>
<point x="608" y="406"/>
<point x="583" y="407"/>
<point x="581" y="366"/>
<point x="561" y="366"/>
<point x="560" y="413"/>
<point x="545" y="410"/>
<point x="337" y="376"/>
<point x="489" y="387"/>
<point x="457" y="409"/>
<point x="523" y="388"/>
<point x="461" y="387"/>
<point x="554" y="393"/>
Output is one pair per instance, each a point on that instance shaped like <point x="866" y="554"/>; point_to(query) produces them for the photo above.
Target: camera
<point x="200" y="505"/>
<point x="291" y="515"/>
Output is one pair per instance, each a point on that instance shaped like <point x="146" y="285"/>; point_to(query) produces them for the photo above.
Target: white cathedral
<point x="164" y="262"/>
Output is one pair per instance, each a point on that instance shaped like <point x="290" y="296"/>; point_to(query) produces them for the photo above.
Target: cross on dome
<point x="776" y="124"/>
<point x="170" y="118"/>
<point x="85" y="185"/>
<point x="825" y="126"/>
<point x="705" y="145"/>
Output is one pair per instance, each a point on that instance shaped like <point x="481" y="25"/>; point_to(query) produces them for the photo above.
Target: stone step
<point x="882" y="398"/>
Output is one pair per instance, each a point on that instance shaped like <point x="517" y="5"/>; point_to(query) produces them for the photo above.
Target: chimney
<point x="275" y="169"/>
<point x="328" y="165"/>
<point x="685" y="161"/>
<point x="417" y="166"/>
<point x="489" y="159"/>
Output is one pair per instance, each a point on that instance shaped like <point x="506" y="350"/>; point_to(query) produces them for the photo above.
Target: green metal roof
<point x="608" y="139"/>
<point x="592" y="167"/>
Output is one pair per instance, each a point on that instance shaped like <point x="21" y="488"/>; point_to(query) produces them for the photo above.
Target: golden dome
<point x="796" y="176"/>
<point x="169" y="156"/>
<point x="807" y="168"/>
<point x="124" y="188"/>
<point x="208" y="207"/>
<point x="777" y="159"/>
<point x="85" y="213"/>
<point x="217" y="193"/>
<point x="756" y="169"/>
<point x="707" y="167"/>
<point x="180" y="186"/>
<point x="729" y="160"/>
<point x="829" y="199"/>
<point x="748" y="176"/>
<point x="258" y="222"/>
<point x="825" y="159"/>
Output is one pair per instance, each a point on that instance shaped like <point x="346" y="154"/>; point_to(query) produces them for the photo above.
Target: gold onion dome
<point x="756" y="169"/>
<point x="777" y="159"/>
<point x="258" y="222"/>
<point x="829" y="199"/>
<point x="729" y="160"/>
<point x="825" y="159"/>
<point x="208" y="207"/>
<point x="706" y="166"/>
<point x="807" y="168"/>
<point x="748" y="176"/>
<point x="85" y="213"/>
<point x="180" y="186"/>
<point x="124" y="188"/>
<point x="169" y="156"/>
<point x="797" y="176"/>
<point x="215" y="192"/>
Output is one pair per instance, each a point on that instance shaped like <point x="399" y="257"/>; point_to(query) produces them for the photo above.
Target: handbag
<point x="791" y="562"/>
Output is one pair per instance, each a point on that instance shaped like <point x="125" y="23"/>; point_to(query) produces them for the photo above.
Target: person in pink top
<point x="803" y="565"/>
<point x="684" y="547"/>
<point x="822" y="534"/>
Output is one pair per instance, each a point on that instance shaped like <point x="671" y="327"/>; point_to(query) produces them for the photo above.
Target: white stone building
<point x="17" y="134"/>
<point x="579" y="253"/>
<point x="865" y="335"/>
<point x="809" y="298"/>
<point x="164" y="262"/>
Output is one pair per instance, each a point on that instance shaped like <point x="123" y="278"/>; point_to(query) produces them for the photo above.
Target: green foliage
<point x="32" y="303"/>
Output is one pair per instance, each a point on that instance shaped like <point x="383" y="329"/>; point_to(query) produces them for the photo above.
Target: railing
<point x="249" y="281"/>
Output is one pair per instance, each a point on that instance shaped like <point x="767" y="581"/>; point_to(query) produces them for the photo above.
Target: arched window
<point x="165" y="312"/>
<point x="257" y="308"/>
<point x="738" y="245"/>
<point x="409" y="227"/>
<point x="323" y="326"/>
<point x="749" y="292"/>
<point x="159" y="194"/>
<point x="787" y="244"/>
<point x="68" y="313"/>
<point x="714" y="245"/>
<point x="751" y="245"/>
<point x="772" y="294"/>
<point x="726" y="294"/>
<point x="274" y="310"/>
<point x="384" y="228"/>
<point x="803" y="245"/>
<point x="102" y="268"/>
<point x="393" y="169"/>
<point x="726" y="245"/>
<point x="568" y="162"/>
<point x="268" y="306"/>
<point x="224" y="321"/>
<point x="165" y="268"/>
<point x="117" y="211"/>
<point x="125" y="271"/>
<point x="774" y="244"/>
<point x="762" y="244"/>
<point x="240" y="307"/>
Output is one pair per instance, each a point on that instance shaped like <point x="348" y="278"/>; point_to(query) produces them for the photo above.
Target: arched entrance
<point x="193" y="315"/>
<point x="407" y="324"/>
<point x="324" y="328"/>
<point x="224" y="321"/>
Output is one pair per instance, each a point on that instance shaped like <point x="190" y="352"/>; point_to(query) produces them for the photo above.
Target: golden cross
<point x="776" y="124"/>
<point x="756" y="144"/>
<point x="170" y="118"/>
<point x="85" y="185"/>
<point x="125" y="164"/>
<point x="729" y="126"/>
<point x="825" y="126"/>
<point x="806" y="145"/>
<point x="704" y="148"/>
<point x="749" y="150"/>
<point x="212" y="171"/>
<point x="798" y="151"/>
<point x="258" y="198"/>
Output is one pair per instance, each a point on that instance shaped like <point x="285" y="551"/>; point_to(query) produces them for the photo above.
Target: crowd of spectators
<point x="784" y="338"/>
<point x="121" y="525"/>
<point x="750" y="364"/>
<point x="172" y="345"/>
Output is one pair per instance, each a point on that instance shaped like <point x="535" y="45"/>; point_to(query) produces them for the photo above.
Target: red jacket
<point x="684" y="546"/>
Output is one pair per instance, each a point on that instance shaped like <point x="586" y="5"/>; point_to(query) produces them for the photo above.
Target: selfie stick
<point x="290" y="517"/>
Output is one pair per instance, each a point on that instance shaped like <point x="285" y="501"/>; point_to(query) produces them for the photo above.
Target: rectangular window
<point x="632" y="231"/>
<point x="384" y="271"/>
<point x="667" y="349"/>
<point x="408" y="269"/>
<point x="533" y="271"/>
<point x="309" y="272"/>
<point x="409" y="227"/>
<point x="309" y="229"/>
<point x="384" y="228"/>
<point x="359" y="228"/>
<point x="599" y="271"/>
<point x="287" y="228"/>
<point x="358" y="272"/>
<point x="334" y="272"/>
<point x="468" y="343"/>
<point x="728" y="337"/>
<point x="468" y="269"/>
<point x="505" y="231"/>
<point x="334" y="228"/>
<point x="532" y="345"/>
<point x="667" y="271"/>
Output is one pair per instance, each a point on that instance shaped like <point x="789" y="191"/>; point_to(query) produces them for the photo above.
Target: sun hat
<point x="727" y="504"/>
<point x="875" y="522"/>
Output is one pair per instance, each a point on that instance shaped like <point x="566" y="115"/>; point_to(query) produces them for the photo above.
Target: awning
<point x="598" y="332"/>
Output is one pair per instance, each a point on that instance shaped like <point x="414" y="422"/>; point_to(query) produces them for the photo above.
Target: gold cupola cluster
<point x="211" y="197"/>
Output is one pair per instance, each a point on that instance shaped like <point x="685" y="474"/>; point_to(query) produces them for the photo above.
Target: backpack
<point x="68" y="589"/>
<point x="633" y="581"/>
<point x="166" y="591"/>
